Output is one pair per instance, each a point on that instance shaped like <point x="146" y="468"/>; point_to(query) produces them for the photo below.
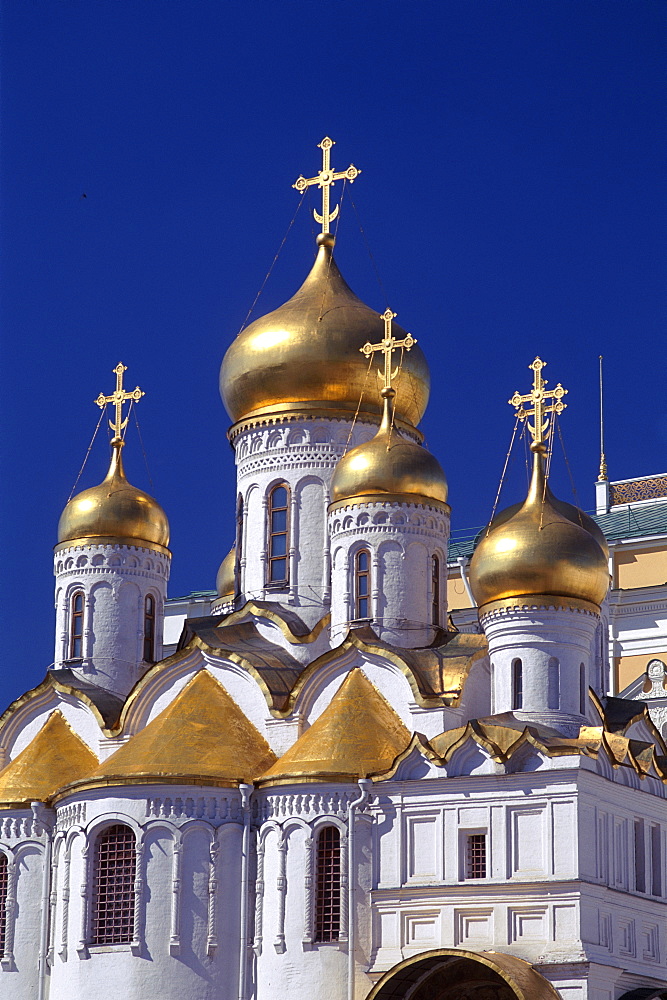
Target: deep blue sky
<point x="512" y="156"/>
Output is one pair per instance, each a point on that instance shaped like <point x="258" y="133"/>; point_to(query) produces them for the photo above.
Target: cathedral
<point x="326" y="782"/>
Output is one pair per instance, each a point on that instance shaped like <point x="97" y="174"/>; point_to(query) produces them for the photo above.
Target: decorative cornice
<point x="312" y="412"/>
<point x="130" y="543"/>
<point x="385" y="499"/>
<point x="538" y="602"/>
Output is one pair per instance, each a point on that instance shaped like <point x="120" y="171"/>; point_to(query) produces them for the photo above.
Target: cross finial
<point x="324" y="180"/>
<point x="543" y="402"/>
<point x="118" y="397"/>
<point x="387" y="346"/>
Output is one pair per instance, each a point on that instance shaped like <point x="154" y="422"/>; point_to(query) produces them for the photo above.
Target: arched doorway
<point x="454" y="974"/>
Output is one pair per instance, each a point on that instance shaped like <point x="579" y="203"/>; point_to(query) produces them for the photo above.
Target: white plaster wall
<point x="289" y="961"/>
<point x="19" y="969"/>
<point x="189" y="875"/>
<point x="558" y="891"/>
<point x="115" y="580"/>
<point x="536" y="636"/>
<point x="402" y="539"/>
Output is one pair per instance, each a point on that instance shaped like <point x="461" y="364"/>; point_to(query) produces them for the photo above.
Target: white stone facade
<point x="402" y="540"/>
<point x="115" y="581"/>
<point x="551" y="649"/>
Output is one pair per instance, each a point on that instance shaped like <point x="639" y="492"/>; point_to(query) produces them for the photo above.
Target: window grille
<point x="362" y="583"/>
<point x="517" y="684"/>
<point x="149" y="629"/>
<point x="76" y="626"/>
<point x="4" y="889"/>
<point x="327" y="902"/>
<point x="435" y="591"/>
<point x="278" y="534"/>
<point x="113" y="890"/>
<point x="476" y="855"/>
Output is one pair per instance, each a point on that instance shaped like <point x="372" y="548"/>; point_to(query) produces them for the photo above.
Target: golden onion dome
<point x="389" y="466"/>
<point x="225" y="582"/>
<point x="305" y="355"/>
<point x="114" y="511"/>
<point x="541" y="547"/>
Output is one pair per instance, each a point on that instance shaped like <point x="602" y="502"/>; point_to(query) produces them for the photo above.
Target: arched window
<point x="435" y="590"/>
<point x="4" y="889"/>
<point x="362" y="583"/>
<point x="517" y="684"/>
<point x="583" y="690"/>
<point x="327" y="900"/>
<point x="278" y="534"/>
<point x="554" y="683"/>
<point x="113" y="886"/>
<point x="76" y="626"/>
<point x="149" y="629"/>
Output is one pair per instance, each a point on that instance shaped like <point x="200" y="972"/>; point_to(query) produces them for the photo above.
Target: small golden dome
<point x="541" y="547"/>
<point x="306" y="355"/>
<point x="389" y="465"/>
<point x="114" y="510"/>
<point x="225" y="582"/>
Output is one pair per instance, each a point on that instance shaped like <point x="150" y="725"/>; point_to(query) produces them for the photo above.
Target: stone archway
<point x="454" y="974"/>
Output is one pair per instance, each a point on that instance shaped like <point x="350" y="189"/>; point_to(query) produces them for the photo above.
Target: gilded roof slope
<point x="55" y="757"/>
<point x="306" y="355"/>
<point x="202" y="736"/>
<point x="357" y="734"/>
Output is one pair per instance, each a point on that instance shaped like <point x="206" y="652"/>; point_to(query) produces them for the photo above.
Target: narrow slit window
<point x="113" y="887"/>
<point x="362" y="583"/>
<point x="583" y="690"/>
<point x="239" y="544"/>
<point x="475" y="862"/>
<point x="435" y="590"/>
<point x="76" y="626"/>
<point x="554" y="683"/>
<point x="327" y="902"/>
<point x="640" y="857"/>
<point x="4" y="889"/>
<point x="656" y="862"/>
<point x="278" y="534"/>
<point x="517" y="684"/>
<point x="149" y="629"/>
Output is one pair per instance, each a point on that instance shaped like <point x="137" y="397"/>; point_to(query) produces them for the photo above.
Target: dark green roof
<point x="631" y="521"/>
<point x="634" y="520"/>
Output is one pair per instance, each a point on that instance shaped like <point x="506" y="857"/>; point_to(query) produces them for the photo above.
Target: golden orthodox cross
<point x="119" y="397"/>
<point x="388" y="345"/>
<point x="324" y="180"/>
<point x="543" y="402"/>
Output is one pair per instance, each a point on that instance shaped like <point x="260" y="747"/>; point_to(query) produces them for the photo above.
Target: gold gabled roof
<point x="55" y="757"/>
<point x="202" y="737"/>
<point x="358" y="734"/>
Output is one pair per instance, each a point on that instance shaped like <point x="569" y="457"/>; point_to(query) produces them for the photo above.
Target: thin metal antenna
<point x="603" y="461"/>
